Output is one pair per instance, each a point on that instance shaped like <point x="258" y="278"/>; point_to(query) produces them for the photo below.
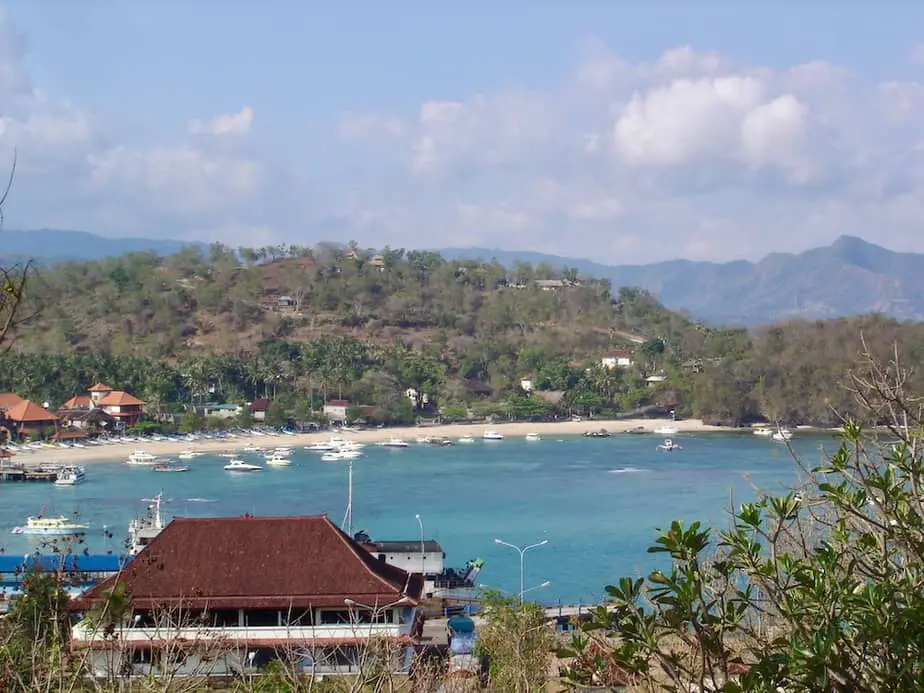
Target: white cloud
<point x="693" y="152"/>
<point x="226" y="124"/>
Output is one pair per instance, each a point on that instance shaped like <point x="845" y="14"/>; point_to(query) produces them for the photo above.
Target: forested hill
<point x="298" y="324"/>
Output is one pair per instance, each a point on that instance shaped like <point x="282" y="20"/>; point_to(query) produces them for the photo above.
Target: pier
<point x="21" y="472"/>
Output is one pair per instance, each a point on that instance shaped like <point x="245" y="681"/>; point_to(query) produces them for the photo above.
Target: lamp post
<point x="422" y="554"/>
<point x="522" y="551"/>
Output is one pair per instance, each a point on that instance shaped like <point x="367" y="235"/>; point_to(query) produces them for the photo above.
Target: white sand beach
<point x="167" y="449"/>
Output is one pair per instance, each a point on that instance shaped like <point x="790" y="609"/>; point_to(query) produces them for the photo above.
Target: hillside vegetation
<point x="302" y="324"/>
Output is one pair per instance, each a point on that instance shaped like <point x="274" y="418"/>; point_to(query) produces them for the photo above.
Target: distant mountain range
<point x="52" y="245"/>
<point x="848" y="277"/>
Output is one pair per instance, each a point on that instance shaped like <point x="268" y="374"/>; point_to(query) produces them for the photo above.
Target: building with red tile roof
<point x="28" y="418"/>
<point x="260" y="586"/>
<point x="8" y="400"/>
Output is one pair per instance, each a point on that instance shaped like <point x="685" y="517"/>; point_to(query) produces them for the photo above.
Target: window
<point x="223" y="618"/>
<point x="261" y="618"/>
<point x="297" y="617"/>
<point x="331" y="617"/>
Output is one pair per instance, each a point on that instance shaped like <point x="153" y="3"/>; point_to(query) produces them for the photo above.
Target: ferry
<point x="51" y="526"/>
<point x="71" y="476"/>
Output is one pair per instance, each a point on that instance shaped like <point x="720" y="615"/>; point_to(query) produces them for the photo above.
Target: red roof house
<point x="8" y="400"/>
<point x="259" y="585"/>
<point x="28" y="418"/>
<point x="121" y="405"/>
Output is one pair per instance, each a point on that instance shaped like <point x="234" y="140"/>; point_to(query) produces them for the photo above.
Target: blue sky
<point x="622" y="131"/>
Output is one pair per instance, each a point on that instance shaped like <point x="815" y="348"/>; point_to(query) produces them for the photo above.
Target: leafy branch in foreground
<point x="12" y="280"/>
<point x="818" y="589"/>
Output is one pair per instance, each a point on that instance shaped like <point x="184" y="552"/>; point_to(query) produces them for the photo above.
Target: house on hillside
<point x="618" y="358"/>
<point x="258" y="408"/>
<point x="27" y="419"/>
<point x="336" y="409"/>
<point x="221" y="411"/>
<point x="227" y="596"/>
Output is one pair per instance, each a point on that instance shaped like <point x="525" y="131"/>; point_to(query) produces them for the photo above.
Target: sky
<point x="624" y="132"/>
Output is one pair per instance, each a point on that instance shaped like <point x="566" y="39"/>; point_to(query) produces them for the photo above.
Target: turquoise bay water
<point x="596" y="501"/>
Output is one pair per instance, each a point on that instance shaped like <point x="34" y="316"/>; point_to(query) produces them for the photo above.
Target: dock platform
<point x="13" y="473"/>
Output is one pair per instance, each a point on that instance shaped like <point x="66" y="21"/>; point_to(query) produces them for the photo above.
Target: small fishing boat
<point x="782" y="435"/>
<point x="278" y="460"/>
<point x="241" y="466"/>
<point x="465" y="440"/>
<point x="393" y="443"/>
<point x="189" y="455"/>
<point x="669" y="445"/>
<point x="340" y="455"/>
<point x="170" y="467"/>
<point x="492" y="435"/>
<point x="666" y="430"/>
<point x="763" y="431"/>
<point x="533" y="437"/>
<point x="599" y="433"/>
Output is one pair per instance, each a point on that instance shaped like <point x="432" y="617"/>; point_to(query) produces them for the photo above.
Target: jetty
<point x="22" y="472"/>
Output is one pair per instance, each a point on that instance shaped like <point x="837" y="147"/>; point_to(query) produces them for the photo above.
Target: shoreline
<point x="516" y="430"/>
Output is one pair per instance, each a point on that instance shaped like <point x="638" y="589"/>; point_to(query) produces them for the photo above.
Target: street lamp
<point x="422" y="554"/>
<point x="522" y="551"/>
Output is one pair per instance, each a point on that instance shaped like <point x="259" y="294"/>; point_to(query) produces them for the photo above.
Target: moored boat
<point x="533" y="437"/>
<point x="71" y="476"/>
<point x="142" y="458"/>
<point x="241" y="466"/>
<point x="170" y="467"/>
<point x="492" y="435"/>
<point x="668" y="445"/>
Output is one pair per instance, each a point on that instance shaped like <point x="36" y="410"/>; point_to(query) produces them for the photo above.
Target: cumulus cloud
<point x="695" y="152"/>
<point x="226" y="124"/>
<point x="71" y="174"/>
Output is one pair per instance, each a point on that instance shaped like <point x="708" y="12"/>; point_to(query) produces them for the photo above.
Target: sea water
<point x="596" y="501"/>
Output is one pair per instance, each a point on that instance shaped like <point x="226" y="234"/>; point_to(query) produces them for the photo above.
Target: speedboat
<point x="241" y="466"/>
<point x="669" y="445"/>
<point x="189" y="455"/>
<point x="170" y="467"/>
<point x="393" y="443"/>
<point x="492" y="435"/>
<point x="71" y="476"/>
<point x="466" y="439"/>
<point x="51" y="526"/>
<point x="277" y="460"/>
<point x="782" y="435"/>
<point x="320" y="447"/>
<point x="140" y="457"/>
<point x="666" y="430"/>
<point x="533" y="437"/>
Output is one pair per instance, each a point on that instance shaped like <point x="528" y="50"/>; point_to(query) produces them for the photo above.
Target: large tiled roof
<point x="28" y="412"/>
<point x="8" y="400"/>
<point x="257" y="563"/>
<point x="77" y="402"/>
<point x="100" y="387"/>
<point x="118" y="398"/>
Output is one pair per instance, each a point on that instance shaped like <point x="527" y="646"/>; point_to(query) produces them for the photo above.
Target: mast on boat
<point x="347" y="525"/>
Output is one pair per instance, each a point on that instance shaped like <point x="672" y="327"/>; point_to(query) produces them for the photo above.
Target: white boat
<point x="51" y="526"/>
<point x="340" y="455"/>
<point x="763" y="431"/>
<point x="669" y="445"/>
<point x="278" y="461"/>
<point x="252" y="448"/>
<point x="189" y="455"/>
<point x="533" y="437"/>
<point x="142" y="529"/>
<point x="393" y="443"/>
<point x="241" y="466"/>
<point x="320" y="447"/>
<point x="283" y="450"/>
<point x="465" y="439"/>
<point x="422" y="440"/>
<point x="782" y="435"/>
<point x="71" y="476"/>
<point x="666" y="430"/>
<point x="140" y="457"/>
<point x="492" y="435"/>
